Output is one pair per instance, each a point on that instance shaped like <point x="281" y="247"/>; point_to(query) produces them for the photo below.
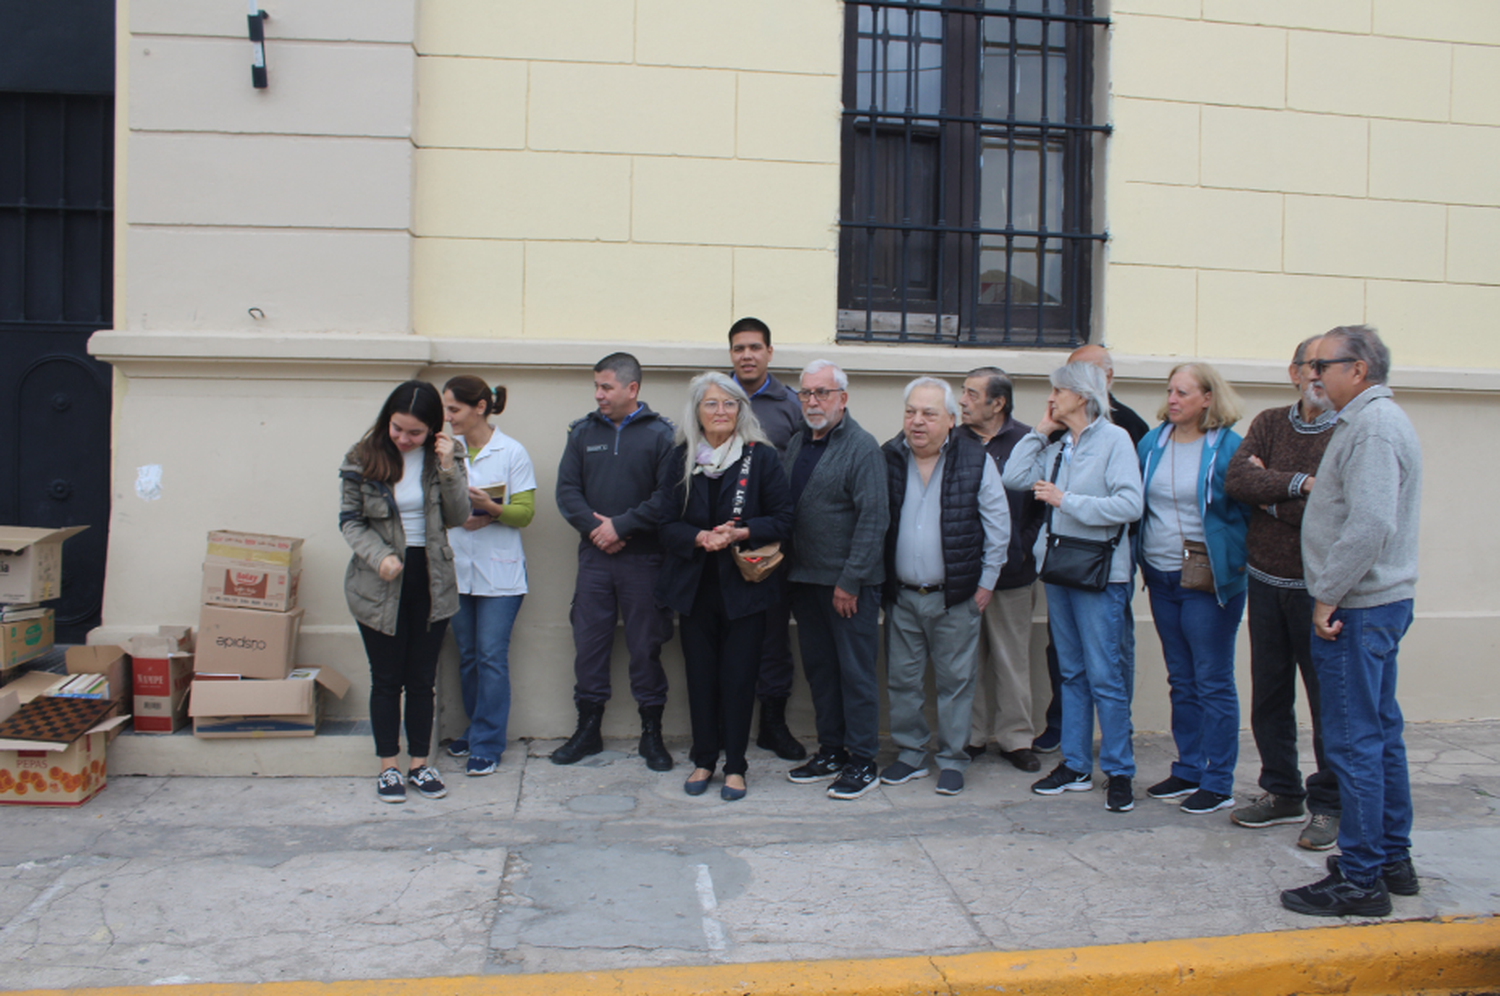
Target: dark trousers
<point x="776" y="654"/>
<point x="721" y="657"/>
<point x="1280" y="621"/>
<point x="405" y="662"/>
<point x="838" y="656"/>
<point x="618" y="586"/>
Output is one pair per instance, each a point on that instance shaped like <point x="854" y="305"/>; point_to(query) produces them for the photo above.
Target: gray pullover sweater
<point x="1101" y="482"/>
<point x="839" y="534"/>
<point x="1359" y="532"/>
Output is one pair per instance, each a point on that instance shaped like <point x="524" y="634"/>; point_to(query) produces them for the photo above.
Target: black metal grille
<point x="56" y="210"/>
<point x="967" y="149"/>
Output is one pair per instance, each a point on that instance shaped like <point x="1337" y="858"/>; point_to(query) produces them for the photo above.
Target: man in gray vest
<point x="1359" y="551"/>
<point x="950" y="527"/>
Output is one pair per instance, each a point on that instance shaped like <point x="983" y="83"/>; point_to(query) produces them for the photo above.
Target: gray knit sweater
<point x="839" y="534"/>
<point x="1359" y="532"/>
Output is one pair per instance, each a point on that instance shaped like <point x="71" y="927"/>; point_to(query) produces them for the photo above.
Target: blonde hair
<point x="1224" y="405"/>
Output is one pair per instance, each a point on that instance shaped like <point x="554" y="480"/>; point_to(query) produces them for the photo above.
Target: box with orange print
<point x="46" y="773"/>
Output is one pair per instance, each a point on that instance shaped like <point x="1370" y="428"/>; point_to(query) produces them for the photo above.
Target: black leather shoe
<point x="586" y="739"/>
<point x="774" y="735"/>
<point x="652" y="750"/>
<point x="1023" y="759"/>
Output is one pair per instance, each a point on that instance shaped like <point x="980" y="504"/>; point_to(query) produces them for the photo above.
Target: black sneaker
<point x="1337" y="896"/>
<point x="1118" y="795"/>
<point x="1063" y="779"/>
<point x="390" y="786"/>
<point x="426" y="782"/>
<point x="950" y="782"/>
<point x="857" y="778"/>
<point x="975" y="751"/>
<point x="1172" y="788"/>
<point x="1204" y="801"/>
<point x="458" y="748"/>
<point x="1049" y="741"/>
<point x="899" y="773"/>
<point x="1399" y="876"/>
<point x="821" y="767"/>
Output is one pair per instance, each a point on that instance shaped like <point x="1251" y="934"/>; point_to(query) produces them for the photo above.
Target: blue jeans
<point x="482" y="629"/>
<point x="1197" y="640"/>
<point x="1088" y="631"/>
<point x="1362" y="736"/>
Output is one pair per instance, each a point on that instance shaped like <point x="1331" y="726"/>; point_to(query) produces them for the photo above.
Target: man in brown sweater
<point x="1274" y="470"/>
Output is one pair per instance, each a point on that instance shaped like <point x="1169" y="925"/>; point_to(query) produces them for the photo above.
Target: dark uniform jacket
<point x="626" y="474"/>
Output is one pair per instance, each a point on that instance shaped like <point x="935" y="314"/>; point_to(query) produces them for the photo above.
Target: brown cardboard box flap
<point x="15" y="539"/>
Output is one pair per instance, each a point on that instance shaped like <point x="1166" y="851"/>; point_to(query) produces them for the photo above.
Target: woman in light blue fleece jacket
<point x="1091" y="483"/>
<point x="1183" y="464"/>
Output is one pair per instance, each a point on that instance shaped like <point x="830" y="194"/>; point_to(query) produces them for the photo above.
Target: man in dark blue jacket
<point x="780" y="414"/>
<point x="614" y="486"/>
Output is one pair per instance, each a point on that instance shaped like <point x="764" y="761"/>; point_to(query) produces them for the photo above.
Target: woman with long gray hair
<point x="1091" y="483"/>
<point x="733" y="491"/>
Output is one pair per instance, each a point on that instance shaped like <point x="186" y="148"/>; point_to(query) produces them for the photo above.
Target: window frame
<point x="954" y="313"/>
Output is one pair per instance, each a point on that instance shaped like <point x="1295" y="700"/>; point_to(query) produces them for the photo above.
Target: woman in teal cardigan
<point x="1183" y="464"/>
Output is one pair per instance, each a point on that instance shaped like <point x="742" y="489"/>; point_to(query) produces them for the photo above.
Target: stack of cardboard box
<point x="59" y="772"/>
<point x="244" y="682"/>
<point x="30" y="573"/>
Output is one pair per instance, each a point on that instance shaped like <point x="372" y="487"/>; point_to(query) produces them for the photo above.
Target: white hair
<point x="840" y="379"/>
<point x="949" y="401"/>
<point x="1087" y="381"/>
<point x="690" y="432"/>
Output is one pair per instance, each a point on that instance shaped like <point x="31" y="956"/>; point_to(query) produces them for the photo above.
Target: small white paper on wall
<point x="148" y="482"/>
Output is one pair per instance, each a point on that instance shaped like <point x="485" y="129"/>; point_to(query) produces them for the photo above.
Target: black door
<point x="56" y="279"/>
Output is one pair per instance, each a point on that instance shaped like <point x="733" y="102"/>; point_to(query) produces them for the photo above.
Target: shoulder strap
<point x="740" y="479"/>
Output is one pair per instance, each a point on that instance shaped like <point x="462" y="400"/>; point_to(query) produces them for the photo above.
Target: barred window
<point x="968" y="144"/>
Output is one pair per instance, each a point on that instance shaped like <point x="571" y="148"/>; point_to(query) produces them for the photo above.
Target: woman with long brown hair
<point x="402" y="490"/>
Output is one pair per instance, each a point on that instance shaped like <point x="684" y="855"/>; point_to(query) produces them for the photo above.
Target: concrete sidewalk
<point x="606" y="865"/>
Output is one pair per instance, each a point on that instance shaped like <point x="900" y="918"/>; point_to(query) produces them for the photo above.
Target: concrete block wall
<point x="238" y="194"/>
<point x="612" y="171"/>
<point x="1278" y="168"/>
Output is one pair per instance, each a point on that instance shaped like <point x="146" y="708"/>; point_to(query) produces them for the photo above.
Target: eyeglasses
<point x="713" y="405"/>
<point x="821" y="393"/>
<point x="1318" y="366"/>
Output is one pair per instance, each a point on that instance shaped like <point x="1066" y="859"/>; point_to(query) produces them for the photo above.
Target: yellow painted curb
<point x="1446" y="955"/>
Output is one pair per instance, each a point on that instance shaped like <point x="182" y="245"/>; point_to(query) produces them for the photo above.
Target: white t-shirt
<point x="410" y="501"/>
<point x="491" y="561"/>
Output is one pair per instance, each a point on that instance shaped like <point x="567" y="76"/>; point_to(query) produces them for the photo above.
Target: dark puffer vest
<point x="963" y="530"/>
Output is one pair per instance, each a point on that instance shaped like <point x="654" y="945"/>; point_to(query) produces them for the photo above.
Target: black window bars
<point x="968" y="142"/>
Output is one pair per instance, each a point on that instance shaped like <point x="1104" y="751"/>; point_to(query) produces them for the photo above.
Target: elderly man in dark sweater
<point x="839" y="491"/>
<point x="1274" y="470"/>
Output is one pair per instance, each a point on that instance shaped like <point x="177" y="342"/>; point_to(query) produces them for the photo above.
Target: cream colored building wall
<point x="1281" y="167"/>
<point x="516" y="188"/>
<point x="626" y="171"/>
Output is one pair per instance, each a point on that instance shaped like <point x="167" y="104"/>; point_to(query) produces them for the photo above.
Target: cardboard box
<point x="27" y="685"/>
<point x="160" y="692"/>
<point x="166" y="640"/>
<point x="276" y="551"/>
<point x="21" y="641"/>
<point x="110" y="661"/>
<point x="31" y="563"/>
<point x="290" y="707"/>
<point x="246" y="642"/>
<point x="249" y="585"/>
<point x="53" y="774"/>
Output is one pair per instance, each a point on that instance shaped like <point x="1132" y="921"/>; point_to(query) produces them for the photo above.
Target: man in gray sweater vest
<point x="837" y="474"/>
<point x="1359" y="551"/>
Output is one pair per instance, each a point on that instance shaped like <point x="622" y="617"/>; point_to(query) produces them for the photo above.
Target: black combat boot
<point x="653" y="751"/>
<point x="586" y="739"/>
<point x="774" y="736"/>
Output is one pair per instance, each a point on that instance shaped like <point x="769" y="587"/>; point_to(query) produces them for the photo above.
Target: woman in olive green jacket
<point x="402" y="490"/>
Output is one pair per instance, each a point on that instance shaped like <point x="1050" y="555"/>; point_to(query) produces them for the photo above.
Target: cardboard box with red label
<point x="290" y="707"/>
<point x="246" y="642"/>
<point x="249" y="585"/>
<point x="160" y="692"/>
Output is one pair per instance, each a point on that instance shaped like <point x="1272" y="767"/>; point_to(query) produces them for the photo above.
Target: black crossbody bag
<point x="1074" y="562"/>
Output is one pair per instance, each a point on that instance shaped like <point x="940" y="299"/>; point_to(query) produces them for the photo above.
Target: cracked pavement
<point x="608" y="865"/>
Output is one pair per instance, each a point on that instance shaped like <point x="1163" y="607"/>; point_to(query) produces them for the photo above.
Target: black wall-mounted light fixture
<point x="257" y="19"/>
